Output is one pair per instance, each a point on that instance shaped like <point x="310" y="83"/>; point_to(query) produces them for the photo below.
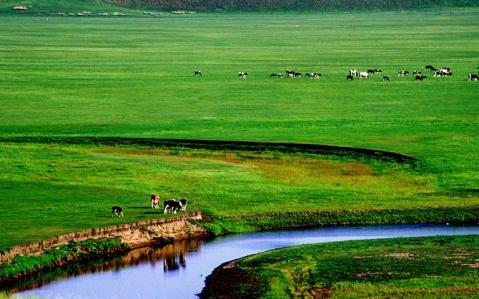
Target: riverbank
<point x="406" y="268"/>
<point x="26" y="259"/>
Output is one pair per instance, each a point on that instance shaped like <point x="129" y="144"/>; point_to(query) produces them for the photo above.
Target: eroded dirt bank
<point x="134" y="234"/>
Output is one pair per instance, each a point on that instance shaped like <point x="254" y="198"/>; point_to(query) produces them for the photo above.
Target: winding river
<point x="178" y="270"/>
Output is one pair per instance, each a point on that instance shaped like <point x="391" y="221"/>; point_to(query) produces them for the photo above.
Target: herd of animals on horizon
<point x="169" y="206"/>
<point x="173" y="206"/>
<point x="444" y="71"/>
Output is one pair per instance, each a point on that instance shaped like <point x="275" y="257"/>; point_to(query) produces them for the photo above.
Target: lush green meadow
<point x="133" y="77"/>
<point x="432" y="267"/>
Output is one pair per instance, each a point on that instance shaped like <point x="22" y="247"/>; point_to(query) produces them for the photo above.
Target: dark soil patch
<point x="230" y="281"/>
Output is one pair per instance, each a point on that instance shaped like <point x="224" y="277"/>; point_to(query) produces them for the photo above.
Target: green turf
<point x="133" y="77"/>
<point x="432" y="267"/>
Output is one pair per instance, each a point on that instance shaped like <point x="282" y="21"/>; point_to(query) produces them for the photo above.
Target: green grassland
<point x="432" y="267"/>
<point x="133" y="77"/>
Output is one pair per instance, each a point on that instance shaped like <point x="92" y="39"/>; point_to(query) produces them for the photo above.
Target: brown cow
<point x="155" y="201"/>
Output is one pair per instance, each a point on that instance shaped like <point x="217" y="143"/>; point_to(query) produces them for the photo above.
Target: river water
<point x="178" y="270"/>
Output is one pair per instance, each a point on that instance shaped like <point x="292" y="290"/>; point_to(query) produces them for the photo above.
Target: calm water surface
<point x="178" y="270"/>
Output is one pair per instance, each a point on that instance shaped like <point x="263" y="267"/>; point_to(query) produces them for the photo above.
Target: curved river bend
<point x="178" y="270"/>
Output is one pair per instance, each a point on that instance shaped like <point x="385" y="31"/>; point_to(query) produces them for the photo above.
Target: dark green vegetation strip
<point x="70" y="253"/>
<point x="431" y="267"/>
<point x="275" y="220"/>
<point x="340" y="151"/>
<point x="301" y="5"/>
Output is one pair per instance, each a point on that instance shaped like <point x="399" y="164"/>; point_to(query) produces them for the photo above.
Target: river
<point x="178" y="270"/>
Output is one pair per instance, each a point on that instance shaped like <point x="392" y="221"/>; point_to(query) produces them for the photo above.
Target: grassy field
<point x="133" y="77"/>
<point x="432" y="267"/>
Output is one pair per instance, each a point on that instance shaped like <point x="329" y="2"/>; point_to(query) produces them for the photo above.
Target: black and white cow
<point x="314" y="75"/>
<point x="420" y="77"/>
<point x="349" y="77"/>
<point x="403" y="73"/>
<point x="293" y="74"/>
<point x="385" y="78"/>
<point x="473" y="77"/>
<point x="171" y="206"/>
<point x="198" y="73"/>
<point x="116" y="211"/>
<point x="353" y="72"/>
<point x="243" y="75"/>
<point x="416" y="73"/>
<point x="184" y="203"/>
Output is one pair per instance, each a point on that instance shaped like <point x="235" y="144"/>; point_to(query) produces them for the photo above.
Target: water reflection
<point x="179" y="269"/>
<point x="173" y="257"/>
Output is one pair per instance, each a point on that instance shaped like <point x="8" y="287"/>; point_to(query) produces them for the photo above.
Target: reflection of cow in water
<point x="173" y="262"/>
<point x="155" y="201"/>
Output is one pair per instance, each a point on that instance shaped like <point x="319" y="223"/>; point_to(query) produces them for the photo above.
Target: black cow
<point x="184" y="203"/>
<point x="385" y="78"/>
<point x="349" y="77"/>
<point x="198" y="73"/>
<point x="275" y="75"/>
<point x="473" y="77"/>
<point x="374" y="71"/>
<point x="117" y="211"/>
<point x="171" y="206"/>
<point x="430" y="68"/>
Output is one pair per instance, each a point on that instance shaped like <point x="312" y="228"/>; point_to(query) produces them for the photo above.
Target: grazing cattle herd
<point x="169" y="206"/>
<point x="173" y="206"/>
<point x="444" y="71"/>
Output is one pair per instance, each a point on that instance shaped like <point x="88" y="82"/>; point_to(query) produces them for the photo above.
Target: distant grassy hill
<point x="205" y="5"/>
<point x="35" y="6"/>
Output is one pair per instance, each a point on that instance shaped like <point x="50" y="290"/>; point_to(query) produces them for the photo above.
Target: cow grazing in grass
<point x="444" y="72"/>
<point x="315" y="75"/>
<point x="198" y="73"/>
<point x="243" y="75"/>
<point x="416" y="72"/>
<point x="276" y="75"/>
<point x="430" y="68"/>
<point x="353" y="72"/>
<point x="473" y="77"/>
<point x="385" y="78"/>
<point x="184" y="203"/>
<point x="420" y="77"/>
<point x="403" y="73"/>
<point x="171" y="206"/>
<point x="349" y="77"/>
<point x="364" y="75"/>
<point x="116" y="211"/>
<point x="155" y="201"/>
<point x="374" y="71"/>
<point x="293" y="74"/>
